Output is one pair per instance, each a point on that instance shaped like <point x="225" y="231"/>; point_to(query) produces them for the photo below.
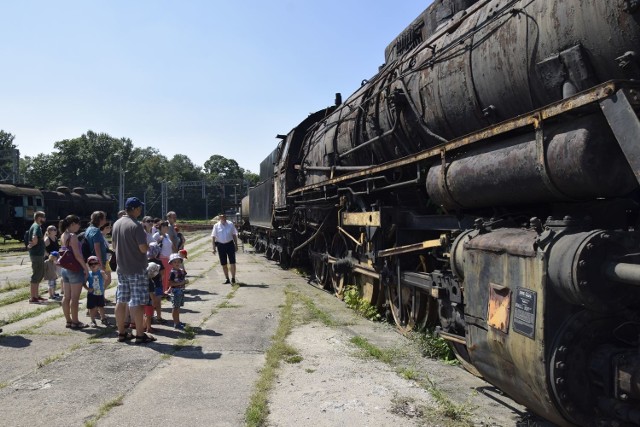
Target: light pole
<point x="121" y="185"/>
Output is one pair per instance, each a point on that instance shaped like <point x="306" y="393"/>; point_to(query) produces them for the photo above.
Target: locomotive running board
<point x="590" y="96"/>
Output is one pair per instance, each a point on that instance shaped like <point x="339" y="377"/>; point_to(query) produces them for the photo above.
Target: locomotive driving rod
<point x="623" y="272"/>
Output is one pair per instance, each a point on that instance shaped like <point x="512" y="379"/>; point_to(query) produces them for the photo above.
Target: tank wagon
<point x="18" y="203"/>
<point x="485" y="182"/>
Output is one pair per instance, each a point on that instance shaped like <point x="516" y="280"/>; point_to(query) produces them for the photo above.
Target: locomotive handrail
<point x="589" y="96"/>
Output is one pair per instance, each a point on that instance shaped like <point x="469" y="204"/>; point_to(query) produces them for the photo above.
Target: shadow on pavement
<point x="15" y="341"/>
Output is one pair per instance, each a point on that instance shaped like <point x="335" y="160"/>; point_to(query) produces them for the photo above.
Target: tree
<point x="220" y="167"/>
<point x="93" y="161"/>
<point x="8" y="157"/>
<point x="181" y="168"/>
<point x="41" y="171"/>
<point x="251" y="178"/>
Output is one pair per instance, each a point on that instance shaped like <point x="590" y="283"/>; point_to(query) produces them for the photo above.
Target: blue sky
<point x="186" y="77"/>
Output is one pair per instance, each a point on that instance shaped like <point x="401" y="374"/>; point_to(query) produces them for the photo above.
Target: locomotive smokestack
<point x="338" y="100"/>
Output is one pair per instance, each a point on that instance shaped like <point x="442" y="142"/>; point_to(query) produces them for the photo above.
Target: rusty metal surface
<point x="582" y="162"/>
<point x="361" y="218"/>
<point x="553" y="110"/>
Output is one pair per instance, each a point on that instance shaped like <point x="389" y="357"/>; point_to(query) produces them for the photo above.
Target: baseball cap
<point x="174" y="257"/>
<point x="93" y="259"/>
<point x="183" y="253"/>
<point x="132" y="203"/>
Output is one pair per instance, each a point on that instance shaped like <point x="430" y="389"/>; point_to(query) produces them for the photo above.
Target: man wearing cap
<point x="130" y="245"/>
<point x="225" y="241"/>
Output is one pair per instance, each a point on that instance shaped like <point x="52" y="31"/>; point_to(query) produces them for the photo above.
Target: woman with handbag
<point x="74" y="270"/>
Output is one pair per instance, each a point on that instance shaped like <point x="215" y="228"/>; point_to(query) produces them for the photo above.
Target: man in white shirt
<point x="225" y="241"/>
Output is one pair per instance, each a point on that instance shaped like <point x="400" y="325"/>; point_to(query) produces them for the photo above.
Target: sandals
<point x="127" y="336"/>
<point x="78" y="325"/>
<point x="69" y="324"/>
<point x="144" y="339"/>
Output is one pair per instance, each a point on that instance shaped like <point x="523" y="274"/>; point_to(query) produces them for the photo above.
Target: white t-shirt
<point x="165" y="242"/>
<point x="224" y="232"/>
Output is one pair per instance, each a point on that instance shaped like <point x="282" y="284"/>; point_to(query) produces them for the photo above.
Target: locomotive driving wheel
<point x="408" y="305"/>
<point x="369" y="289"/>
<point x="317" y="252"/>
<point x="338" y="279"/>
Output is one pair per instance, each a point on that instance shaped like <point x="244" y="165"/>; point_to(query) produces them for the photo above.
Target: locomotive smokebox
<point x="574" y="161"/>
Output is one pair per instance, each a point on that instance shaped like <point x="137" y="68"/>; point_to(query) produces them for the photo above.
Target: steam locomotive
<point x="18" y="203"/>
<point x="485" y="182"/>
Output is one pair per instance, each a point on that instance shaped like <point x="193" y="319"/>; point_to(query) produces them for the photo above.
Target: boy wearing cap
<point x="95" y="286"/>
<point x="51" y="274"/>
<point x="177" y="282"/>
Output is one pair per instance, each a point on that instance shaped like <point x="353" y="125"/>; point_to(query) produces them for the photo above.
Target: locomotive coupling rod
<point x="623" y="272"/>
<point x="410" y="248"/>
<point x="346" y="233"/>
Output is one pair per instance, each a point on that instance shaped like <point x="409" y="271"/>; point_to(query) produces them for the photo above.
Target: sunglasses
<point x="149" y="221"/>
<point x="91" y="264"/>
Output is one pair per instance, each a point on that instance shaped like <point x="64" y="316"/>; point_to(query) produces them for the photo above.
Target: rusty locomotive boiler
<point x="485" y="182"/>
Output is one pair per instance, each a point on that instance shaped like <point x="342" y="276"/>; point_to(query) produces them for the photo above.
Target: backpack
<point x="84" y="246"/>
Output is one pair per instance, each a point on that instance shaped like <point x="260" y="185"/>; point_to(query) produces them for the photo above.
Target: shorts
<point x="158" y="291"/>
<point x="73" y="277"/>
<point x="52" y="283"/>
<point x="177" y="298"/>
<point x="37" y="268"/>
<point x="226" y="250"/>
<point x="148" y="310"/>
<point x="132" y="289"/>
<point x="94" y="301"/>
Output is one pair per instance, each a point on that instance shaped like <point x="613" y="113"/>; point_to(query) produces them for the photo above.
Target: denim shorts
<point x="73" y="277"/>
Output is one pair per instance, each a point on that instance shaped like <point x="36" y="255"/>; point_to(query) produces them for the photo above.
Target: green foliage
<point x="220" y="167"/>
<point x="354" y="301"/>
<point x="434" y="347"/>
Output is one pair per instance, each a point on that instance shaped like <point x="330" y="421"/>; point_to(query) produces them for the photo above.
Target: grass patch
<point x="315" y="312"/>
<point x="3" y="385"/>
<point x="433" y="346"/>
<point x="354" y="301"/>
<point x="408" y="374"/>
<point x="58" y="356"/>
<point x="309" y="371"/>
<point x="448" y="408"/>
<point x="257" y="411"/>
<point x="407" y="407"/>
<point x="104" y="410"/>
<point x="25" y="294"/>
<point x="227" y="304"/>
<point x="50" y="360"/>
<point x="16" y="317"/>
<point x="371" y="350"/>
<point x="13" y="286"/>
<point x="31" y="330"/>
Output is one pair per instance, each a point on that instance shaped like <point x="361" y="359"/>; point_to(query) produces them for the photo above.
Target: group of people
<point x="148" y="257"/>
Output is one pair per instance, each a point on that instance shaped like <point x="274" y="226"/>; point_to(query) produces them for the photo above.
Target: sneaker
<point x="56" y="295"/>
<point x="104" y="321"/>
<point x="226" y="282"/>
<point x="233" y="280"/>
<point x="179" y="326"/>
<point x="93" y="323"/>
